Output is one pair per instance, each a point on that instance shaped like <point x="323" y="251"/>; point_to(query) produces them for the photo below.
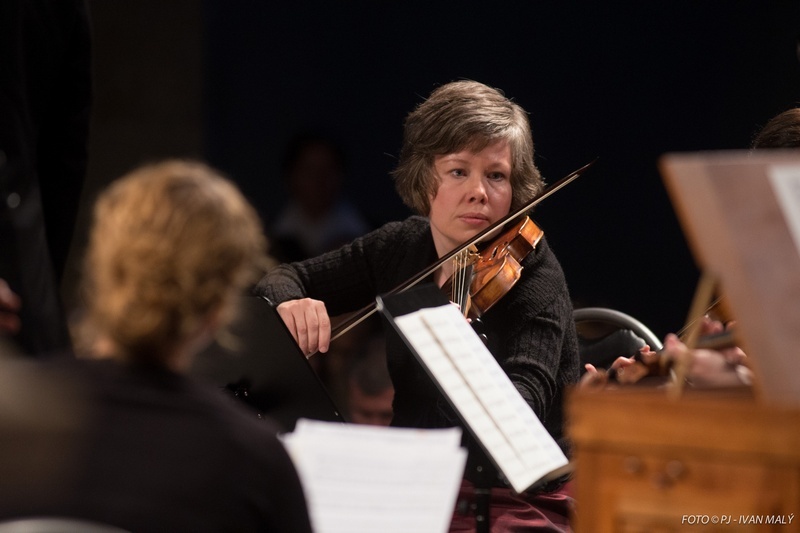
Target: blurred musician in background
<point x="467" y="160"/>
<point x="781" y="131"/>
<point x="171" y="248"/>
<point x="318" y="215"/>
<point x="369" y="386"/>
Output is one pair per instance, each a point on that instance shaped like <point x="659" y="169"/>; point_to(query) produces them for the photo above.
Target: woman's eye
<point x="497" y="176"/>
<point x="458" y="172"/>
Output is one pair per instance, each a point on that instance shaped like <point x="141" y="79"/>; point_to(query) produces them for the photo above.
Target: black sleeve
<point x="345" y="279"/>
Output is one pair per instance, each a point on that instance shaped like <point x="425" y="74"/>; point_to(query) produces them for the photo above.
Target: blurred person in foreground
<point x="171" y="247"/>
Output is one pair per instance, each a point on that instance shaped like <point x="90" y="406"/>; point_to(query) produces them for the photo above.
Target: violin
<point x="652" y="368"/>
<point x="481" y="278"/>
<point x="519" y="214"/>
<point x="647" y="368"/>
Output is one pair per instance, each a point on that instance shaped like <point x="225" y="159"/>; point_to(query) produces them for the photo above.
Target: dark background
<point x="623" y="82"/>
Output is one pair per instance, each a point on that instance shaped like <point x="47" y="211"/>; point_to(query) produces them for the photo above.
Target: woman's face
<point x="474" y="192"/>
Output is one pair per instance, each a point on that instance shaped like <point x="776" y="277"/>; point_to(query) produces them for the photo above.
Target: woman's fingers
<point x="622" y="362"/>
<point x="285" y="311"/>
<point x="309" y="324"/>
<point x="310" y="329"/>
<point x="593" y="378"/>
<point x="9" y="305"/>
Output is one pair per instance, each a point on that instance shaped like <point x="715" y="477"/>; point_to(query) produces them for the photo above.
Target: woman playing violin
<point x="467" y="160"/>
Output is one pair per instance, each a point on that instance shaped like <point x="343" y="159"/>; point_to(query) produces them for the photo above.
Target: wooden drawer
<point x="651" y="491"/>
<point x="644" y="463"/>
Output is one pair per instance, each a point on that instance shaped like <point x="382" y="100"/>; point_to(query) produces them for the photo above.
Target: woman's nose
<point x="477" y="190"/>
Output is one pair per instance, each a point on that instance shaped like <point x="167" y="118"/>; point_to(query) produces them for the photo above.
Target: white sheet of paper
<point x="366" y="479"/>
<point x="785" y="180"/>
<point x="483" y="394"/>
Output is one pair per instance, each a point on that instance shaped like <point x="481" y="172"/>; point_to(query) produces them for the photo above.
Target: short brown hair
<point x="170" y="244"/>
<point x="457" y="116"/>
<point x="782" y="131"/>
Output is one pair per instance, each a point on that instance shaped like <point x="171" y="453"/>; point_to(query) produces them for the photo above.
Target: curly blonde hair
<point x="457" y="116"/>
<point x="170" y="244"/>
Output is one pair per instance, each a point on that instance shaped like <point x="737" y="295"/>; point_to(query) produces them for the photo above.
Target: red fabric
<point x="512" y="513"/>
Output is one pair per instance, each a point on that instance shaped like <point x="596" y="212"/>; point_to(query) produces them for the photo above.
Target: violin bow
<point x="367" y="311"/>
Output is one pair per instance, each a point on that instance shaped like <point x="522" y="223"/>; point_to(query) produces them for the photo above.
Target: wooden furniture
<point x="738" y="233"/>
<point x="648" y="462"/>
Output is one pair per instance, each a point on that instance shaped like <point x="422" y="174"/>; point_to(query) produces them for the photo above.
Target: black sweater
<point x="147" y="450"/>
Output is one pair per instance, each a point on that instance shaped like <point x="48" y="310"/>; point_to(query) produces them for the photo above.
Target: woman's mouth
<point x="474" y="219"/>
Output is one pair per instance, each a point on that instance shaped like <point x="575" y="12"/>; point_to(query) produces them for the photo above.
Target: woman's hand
<point x="709" y="368"/>
<point x="9" y="306"/>
<point x="309" y="324"/>
<point x="595" y="378"/>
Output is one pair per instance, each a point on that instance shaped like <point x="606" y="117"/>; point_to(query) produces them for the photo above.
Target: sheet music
<point x="367" y="478"/>
<point x="785" y="182"/>
<point x="489" y="403"/>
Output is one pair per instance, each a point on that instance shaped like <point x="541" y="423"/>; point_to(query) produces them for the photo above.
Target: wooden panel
<point x="666" y="490"/>
<point x="645" y="463"/>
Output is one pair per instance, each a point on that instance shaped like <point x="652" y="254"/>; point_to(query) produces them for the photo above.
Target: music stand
<point x="468" y="376"/>
<point x="740" y="212"/>
<point x="267" y="366"/>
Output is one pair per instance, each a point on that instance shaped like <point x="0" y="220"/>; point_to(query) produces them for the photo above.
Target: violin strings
<point x="460" y="281"/>
<point x="682" y="332"/>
